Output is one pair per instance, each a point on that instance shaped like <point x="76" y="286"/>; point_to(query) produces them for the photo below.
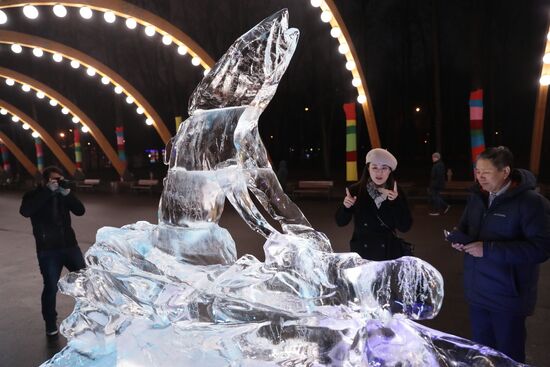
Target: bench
<point x="144" y="185"/>
<point x="88" y="184"/>
<point x="313" y="188"/>
<point x="457" y="189"/>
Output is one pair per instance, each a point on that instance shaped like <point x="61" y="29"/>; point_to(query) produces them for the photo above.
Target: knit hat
<point x="382" y="156"/>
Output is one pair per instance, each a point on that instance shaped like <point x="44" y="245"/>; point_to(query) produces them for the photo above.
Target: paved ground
<point x="22" y="339"/>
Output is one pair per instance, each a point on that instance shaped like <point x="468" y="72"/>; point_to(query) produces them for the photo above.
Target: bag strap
<point x="385" y="225"/>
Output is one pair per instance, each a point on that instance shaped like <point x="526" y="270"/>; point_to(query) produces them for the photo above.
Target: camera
<point x="64" y="184"/>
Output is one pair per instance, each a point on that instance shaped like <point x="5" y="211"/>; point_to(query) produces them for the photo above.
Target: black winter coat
<point x="50" y="217"/>
<point x="371" y="239"/>
<point x="515" y="232"/>
<point x="438" y="176"/>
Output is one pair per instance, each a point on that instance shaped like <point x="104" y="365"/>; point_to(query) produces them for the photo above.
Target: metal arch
<point x="19" y="155"/>
<point x="103" y="143"/>
<point x="540" y="113"/>
<point x="44" y="135"/>
<point x="368" y="110"/>
<point x="10" y="37"/>
<point x="126" y="10"/>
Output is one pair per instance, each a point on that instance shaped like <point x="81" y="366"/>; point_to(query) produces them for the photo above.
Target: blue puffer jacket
<point x="515" y="232"/>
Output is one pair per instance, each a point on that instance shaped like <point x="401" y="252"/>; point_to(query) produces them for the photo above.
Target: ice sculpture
<point x="174" y="294"/>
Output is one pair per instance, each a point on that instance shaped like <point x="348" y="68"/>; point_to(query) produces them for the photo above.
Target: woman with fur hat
<point x="378" y="207"/>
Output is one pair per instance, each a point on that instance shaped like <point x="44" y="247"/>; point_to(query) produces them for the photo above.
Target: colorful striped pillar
<point x="476" y="123"/>
<point x="351" y="142"/>
<point x="5" y="158"/>
<point x="120" y="143"/>
<point x="39" y="154"/>
<point x="77" y="149"/>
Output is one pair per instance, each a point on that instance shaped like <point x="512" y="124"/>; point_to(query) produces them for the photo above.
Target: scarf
<point x="376" y="195"/>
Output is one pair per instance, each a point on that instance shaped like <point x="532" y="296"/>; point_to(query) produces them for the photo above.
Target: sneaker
<point x="447" y="209"/>
<point x="433" y="213"/>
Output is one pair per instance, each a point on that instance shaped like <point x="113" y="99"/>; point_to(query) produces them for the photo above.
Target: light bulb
<point x="25" y="88"/>
<point x="129" y="100"/>
<point x="53" y="102"/>
<point x="361" y="98"/>
<point x="10" y="82"/>
<point x="109" y="17"/>
<point x="545" y="80"/>
<point x="30" y="11"/>
<point x="182" y="50"/>
<point x="356" y="82"/>
<point x="315" y="3"/>
<point x="350" y="65"/>
<point x="546" y="58"/>
<point x="326" y="16"/>
<point x="343" y="48"/>
<point x="59" y="10"/>
<point x="39" y="95"/>
<point x="3" y="17"/>
<point x="196" y="61"/>
<point x="75" y="64"/>
<point x="335" y="32"/>
<point x="75" y="120"/>
<point x="118" y="89"/>
<point x="3" y="111"/>
<point x="38" y="52"/>
<point x="205" y="72"/>
<point x="57" y="57"/>
<point x="149" y="121"/>
<point x="35" y="134"/>
<point x="139" y="111"/>
<point x="16" y="48"/>
<point x="65" y="111"/>
<point x="105" y="80"/>
<point x="90" y="71"/>
<point x="131" y="23"/>
<point x="150" y="30"/>
<point x="166" y="39"/>
<point x="86" y="12"/>
<point x="15" y="118"/>
<point x="26" y="126"/>
<point x="84" y="129"/>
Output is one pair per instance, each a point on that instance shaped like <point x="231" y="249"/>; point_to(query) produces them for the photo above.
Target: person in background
<point x="506" y="227"/>
<point x="49" y="207"/>
<point x="437" y="183"/>
<point x="378" y="207"/>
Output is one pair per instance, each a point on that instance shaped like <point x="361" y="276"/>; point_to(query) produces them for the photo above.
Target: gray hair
<point x="436" y="155"/>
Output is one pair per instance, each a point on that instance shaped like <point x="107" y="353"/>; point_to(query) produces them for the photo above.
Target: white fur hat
<point x="382" y="156"/>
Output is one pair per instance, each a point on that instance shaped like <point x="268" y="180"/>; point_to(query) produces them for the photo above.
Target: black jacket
<point x="438" y="176"/>
<point x="515" y="232"/>
<point x="50" y="217"/>
<point x="371" y="239"/>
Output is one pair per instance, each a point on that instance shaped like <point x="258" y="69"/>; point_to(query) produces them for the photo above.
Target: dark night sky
<point x="495" y="45"/>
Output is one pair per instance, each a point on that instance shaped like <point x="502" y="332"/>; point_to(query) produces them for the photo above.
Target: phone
<point x="457" y="237"/>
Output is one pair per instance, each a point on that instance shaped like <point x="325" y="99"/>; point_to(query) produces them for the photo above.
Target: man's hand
<point x="349" y="200"/>
<point x="475" y="249"/>
<point x="53" y="185"/>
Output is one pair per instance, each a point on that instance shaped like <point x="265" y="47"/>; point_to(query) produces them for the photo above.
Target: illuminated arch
<point x="44" y="135"/>
<point x="331" y="15"/>
<point x="18" y="154"/>
<point x="540" y="109"/>
<point x="34" y="42"/>
<point x="143" y="17"/>
<point x="71" y="108"/>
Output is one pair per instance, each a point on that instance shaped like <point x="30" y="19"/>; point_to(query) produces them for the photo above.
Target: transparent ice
<point x="175" y="294"/>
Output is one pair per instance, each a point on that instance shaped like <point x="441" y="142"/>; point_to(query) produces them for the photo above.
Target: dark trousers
<point x="436" y="201"/>
<point x="502" y="331"/>
<point x="51" y="263"/>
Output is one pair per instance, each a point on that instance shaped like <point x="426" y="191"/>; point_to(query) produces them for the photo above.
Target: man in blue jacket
<point x="508" y="225"/>
<point x="49" y="207"/>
